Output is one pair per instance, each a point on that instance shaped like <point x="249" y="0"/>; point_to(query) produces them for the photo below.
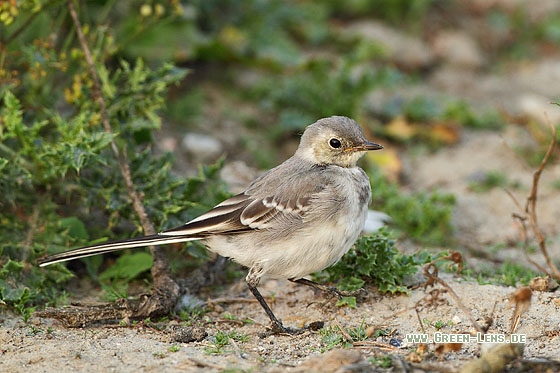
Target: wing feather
<point x="273" y="198"/>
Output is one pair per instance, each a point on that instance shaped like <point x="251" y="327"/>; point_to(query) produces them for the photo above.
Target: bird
<point x="296" y="219"/>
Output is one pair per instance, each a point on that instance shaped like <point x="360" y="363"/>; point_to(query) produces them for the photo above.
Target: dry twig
<point x="432" y="277"/>
<point x="531" y="207"/>
<point x="530" y="212"/>
<point x="343" y="332"/>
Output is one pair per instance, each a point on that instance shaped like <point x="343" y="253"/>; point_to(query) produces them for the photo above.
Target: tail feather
<point x="108" y="247"/>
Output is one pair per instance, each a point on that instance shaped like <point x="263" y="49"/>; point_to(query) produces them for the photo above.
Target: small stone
<point x="538" y="107"/>
<point x="202" y="148"/>
<point x="333" y="361"/>
<point x="458" y="48"/>
<point x="395" y="342"/>
<point x="543" y="284"/>
<point x="188" y="302"/>
<point x="186" y="335"/>
<point x="237" y="175"/>
<point x="375" y="220"/>
<point x="316" y="325"/>
<point x="168" y="144"/>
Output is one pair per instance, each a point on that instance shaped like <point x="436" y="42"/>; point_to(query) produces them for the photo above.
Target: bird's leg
<point x="252" y="280"/>
<point x="277" y="327"/>
<point x="329" y="289"/>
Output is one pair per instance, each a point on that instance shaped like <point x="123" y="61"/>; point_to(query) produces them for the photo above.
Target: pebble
<point x="237" y="175"/>
<point x="375" y="220"/>
<point x="202" y="148"/>
<point x="458" y="48"/>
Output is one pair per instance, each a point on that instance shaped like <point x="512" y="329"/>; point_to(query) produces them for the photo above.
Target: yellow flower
<point x="146" y="10"/>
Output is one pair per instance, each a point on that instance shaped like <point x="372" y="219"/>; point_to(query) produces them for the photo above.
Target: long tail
<point x="108" y="247"/>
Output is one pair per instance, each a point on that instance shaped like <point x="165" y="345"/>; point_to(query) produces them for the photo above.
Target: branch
<point x="531" y="206"/>
<point x="433" y="277"/>
<point x="98" y="97"/>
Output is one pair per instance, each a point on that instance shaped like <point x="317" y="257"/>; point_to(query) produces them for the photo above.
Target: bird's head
<point x="334" y="140"/>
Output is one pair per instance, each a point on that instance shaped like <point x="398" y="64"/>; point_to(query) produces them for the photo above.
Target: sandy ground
<point x="46" y="346"/>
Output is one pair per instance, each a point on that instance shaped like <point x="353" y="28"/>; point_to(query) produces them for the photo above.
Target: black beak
<point x="372" y="146"/>
<point x="366" y="146"/>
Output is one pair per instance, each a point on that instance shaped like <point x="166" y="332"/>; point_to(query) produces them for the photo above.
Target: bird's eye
<point x="335" y="143"/>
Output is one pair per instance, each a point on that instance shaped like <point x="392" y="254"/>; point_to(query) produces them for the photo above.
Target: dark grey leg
<point x="252" y="280"/>
<point x="277" y="326"/>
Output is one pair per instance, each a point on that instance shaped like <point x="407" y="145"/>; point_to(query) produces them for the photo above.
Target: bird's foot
<point x="277" y="328"/>
<point x="281" y="329"/>
<point x="331" y="290"/>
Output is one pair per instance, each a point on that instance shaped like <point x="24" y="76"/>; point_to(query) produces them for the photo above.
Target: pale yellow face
<point x="331" y="147"/>
<point x="335" y="140"/>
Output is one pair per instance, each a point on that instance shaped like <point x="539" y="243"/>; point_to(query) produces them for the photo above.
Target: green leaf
<point x="347" y="301"/>
<point x="20" y="294"/>
<point x="75" y="227"/>
<point x="127" y="267"/>
<point x="351" y="283"/>
<point x="11" y="268"/>
<point x="12" y="116"/>
<point x="375" y="259"/>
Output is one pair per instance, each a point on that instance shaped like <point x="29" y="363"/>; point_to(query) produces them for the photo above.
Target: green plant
<point x="34" y="330"/>
<point x="421" y="109"/>
<point x="347" y="302"/>
<point x="422" y="216"/>
<point x="229" y="316"/>
<point x="375" y="259"/>
<point x="222" y="339"/>
<point x="384" y="361"/>
<point x="410" y="15"/>
<point x="490" y="180"/>
<point x="512" y="274"/>
<point x="192" y="313"/>
<point x="320" y="88"/>
<point x="331" y="338"/>
<point x="462" y="113"/>
<point x="440" y="324"/>
<point x="509" y="273"/>
<point x="527" y="32"/>
<point x="59" y="181"/>
<point x="114" y="280"/>
<point x="358" y="333"/>
<point x="21" y="286"/>
<point x="174" y="348"/>
<point x="259" y="32"/>
<point x="380" y="333"/>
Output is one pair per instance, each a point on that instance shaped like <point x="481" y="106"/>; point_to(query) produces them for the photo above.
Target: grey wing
<point x="286" y="204"/>
<point x="223" y="218"/>
<point x="264" y="213"/>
